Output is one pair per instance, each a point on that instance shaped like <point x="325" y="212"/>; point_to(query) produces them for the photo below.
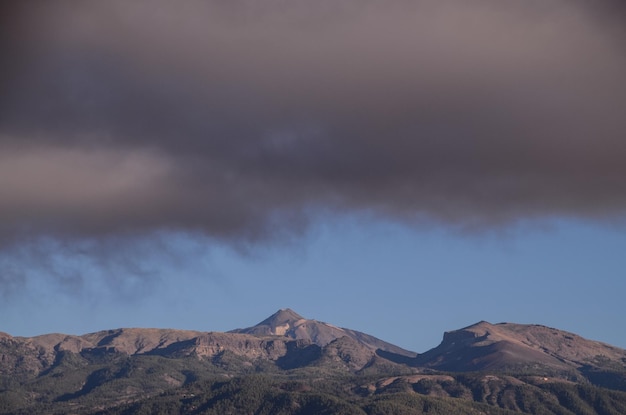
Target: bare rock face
<point x="278" y="324"/>
<point x="247" y="346"/>
<point x="138" y="341"/>
<point x="19" y="358"/>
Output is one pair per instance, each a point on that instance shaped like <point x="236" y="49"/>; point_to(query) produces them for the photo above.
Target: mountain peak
<point x="281" y="323"/>
<point x="482" y="324"/>
<point x="288" y="323"/>
<point x="281" y="317"/>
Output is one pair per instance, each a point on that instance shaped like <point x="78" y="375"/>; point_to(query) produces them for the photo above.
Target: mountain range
<point x="483" y="367"/>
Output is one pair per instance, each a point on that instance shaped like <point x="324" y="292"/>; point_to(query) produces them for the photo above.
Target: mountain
<point x="486" y="346"/>
<point x="288" y="323"/>
<point x="288" y="364"/>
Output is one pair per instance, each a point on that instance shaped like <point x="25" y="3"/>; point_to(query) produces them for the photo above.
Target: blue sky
<point x="404" y="284"/>
<point x="399" y="167"/>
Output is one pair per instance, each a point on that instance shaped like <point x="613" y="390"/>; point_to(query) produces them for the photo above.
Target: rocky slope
<point x="288" y="323"/>
<point x="511" y="365"/>
<point x="285" y="339"/>
<point x="532" y="349"/>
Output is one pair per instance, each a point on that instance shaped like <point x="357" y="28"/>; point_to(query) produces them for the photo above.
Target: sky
<point x="401" y="168"/>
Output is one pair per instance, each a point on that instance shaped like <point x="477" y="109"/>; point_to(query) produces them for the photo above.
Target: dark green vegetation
<point x="115" y="384"/>
<point x="290" y="365"/>
<point x="308" y="393"/>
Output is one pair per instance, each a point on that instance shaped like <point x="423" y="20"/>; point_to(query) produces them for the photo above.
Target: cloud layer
<point x="239" y="118"/>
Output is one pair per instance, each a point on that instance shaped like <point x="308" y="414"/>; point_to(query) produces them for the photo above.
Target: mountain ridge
<point x="477" y="347"/>
<point x="512" y="365"/>
<point x="512" y="346"/>
<point x="288" y="323"/>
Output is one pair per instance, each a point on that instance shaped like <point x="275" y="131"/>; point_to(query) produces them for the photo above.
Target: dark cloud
<point x="240" y="118"/>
